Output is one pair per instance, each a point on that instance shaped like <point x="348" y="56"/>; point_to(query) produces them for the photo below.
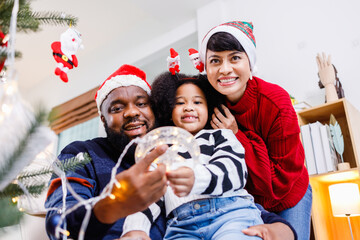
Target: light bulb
<point x="179" y="140"/>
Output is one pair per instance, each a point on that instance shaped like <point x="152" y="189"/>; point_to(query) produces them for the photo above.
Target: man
<point x="123" y="104"/>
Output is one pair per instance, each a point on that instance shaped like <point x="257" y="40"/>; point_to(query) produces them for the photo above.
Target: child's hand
<point x="181" y="181"/>
<point x="228" y="121"/>
<point x="135" y="235"/>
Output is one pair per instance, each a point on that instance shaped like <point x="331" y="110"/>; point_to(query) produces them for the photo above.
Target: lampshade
<point x="345" y="199"/>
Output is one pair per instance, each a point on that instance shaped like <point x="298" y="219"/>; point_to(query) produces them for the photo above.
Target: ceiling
<point x="104" y="25"/>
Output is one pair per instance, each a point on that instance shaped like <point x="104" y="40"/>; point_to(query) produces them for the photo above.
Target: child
<point x="209" y="201"/>
<point x="263" y="120"/>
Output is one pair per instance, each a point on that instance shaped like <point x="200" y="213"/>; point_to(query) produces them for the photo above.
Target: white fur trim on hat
<point x="119" y="81"/>
<point x="244" y="40"/>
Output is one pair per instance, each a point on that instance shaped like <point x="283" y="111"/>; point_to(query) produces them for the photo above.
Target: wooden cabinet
<point x="325" y="225"/>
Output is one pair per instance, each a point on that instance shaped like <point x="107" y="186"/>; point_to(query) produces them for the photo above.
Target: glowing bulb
<point x="6" y="109"/>
<point x="112" y="196"/>
<point x="117" y="184"/>
<point x="177" y="138"/>
<point x="10" y="89"/>
<point x="21" y="209"/>
<point x="64" y="232"/>
<point x="14" y="199"/>
<point x="175" y="131"/>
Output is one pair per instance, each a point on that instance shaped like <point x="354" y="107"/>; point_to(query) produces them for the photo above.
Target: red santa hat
<point x="125" y="76"/>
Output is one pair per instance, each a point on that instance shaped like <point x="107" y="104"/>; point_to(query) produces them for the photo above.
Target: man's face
<point x="126" y="110"/>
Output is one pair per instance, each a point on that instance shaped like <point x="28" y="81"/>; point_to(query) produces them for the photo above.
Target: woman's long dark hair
<point x="223" y="41"/>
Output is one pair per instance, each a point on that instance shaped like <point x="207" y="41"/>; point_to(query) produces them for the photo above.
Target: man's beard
<point x="118" y="139"/>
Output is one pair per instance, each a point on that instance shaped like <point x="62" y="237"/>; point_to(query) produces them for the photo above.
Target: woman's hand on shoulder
<point x="228" y="121"/>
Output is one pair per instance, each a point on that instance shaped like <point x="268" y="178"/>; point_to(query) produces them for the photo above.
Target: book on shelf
<point x="328" y="153"/>
<point x="320" y="154"/>
<point x="318" y="149"/>
<point x="308" y="148"/>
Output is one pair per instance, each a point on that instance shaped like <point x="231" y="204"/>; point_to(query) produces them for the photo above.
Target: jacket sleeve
<point x="85" y="186"/>
<point x="226" y="169"/>
<point x="269" y="217"/>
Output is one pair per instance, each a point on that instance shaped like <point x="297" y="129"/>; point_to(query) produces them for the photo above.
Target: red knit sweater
<point x="269" y="132"/>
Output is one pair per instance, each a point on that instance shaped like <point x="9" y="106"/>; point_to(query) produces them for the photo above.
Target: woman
<point x="263" y="119"/>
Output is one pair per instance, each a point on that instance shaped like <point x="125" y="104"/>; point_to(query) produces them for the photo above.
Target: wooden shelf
<point x="325" y="225"/>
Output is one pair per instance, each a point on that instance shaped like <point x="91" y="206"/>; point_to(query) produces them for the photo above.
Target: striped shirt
<point x="222" y="172"/>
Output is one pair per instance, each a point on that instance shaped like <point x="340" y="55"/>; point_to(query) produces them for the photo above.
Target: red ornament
<point x="3" y="44"/>
<point x="195" y="59"/>
<point x="64" y="52"/>
<point x="173" y="61"/>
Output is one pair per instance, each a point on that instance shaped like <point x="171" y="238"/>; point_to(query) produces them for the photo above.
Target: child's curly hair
<point x="163" y="92"/>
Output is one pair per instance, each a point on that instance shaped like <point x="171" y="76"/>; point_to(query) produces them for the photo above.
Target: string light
<point x="117" y="184"/>
<point x="180" y="140"/>
<point x="6" y="108"/>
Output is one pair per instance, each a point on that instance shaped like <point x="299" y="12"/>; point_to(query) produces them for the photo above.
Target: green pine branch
<point x="67" y="165"/>
<point x="4" y="53"/>
<point x="14" y="190"/>
<point x="55" y="18"/>
<point x="30" y="21"/>
<point x="9" y="163"/>
<point x="35" y="174"/>
<point x="73" y="163"/>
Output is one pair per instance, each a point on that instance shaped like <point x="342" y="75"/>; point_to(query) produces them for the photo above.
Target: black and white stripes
<point x="222" y="172"/>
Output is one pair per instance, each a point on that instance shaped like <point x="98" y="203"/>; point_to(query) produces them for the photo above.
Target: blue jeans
<point x="299" y="216"/>
<point x="213" y="218"/>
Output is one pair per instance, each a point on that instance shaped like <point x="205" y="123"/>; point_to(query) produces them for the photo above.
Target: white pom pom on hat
<point x="242" y="31"/>
<point x="126" y="75"/>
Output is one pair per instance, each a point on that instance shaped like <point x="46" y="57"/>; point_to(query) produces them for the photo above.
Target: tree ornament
<point x="64" y="52"/>
<point x="3" y="48"/>
<point x="181" y="141"/>
<point x="52" y="226"/>
<point x="195" y="59"/>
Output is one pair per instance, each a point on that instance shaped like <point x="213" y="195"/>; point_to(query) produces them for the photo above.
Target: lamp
<point x="345" y="201"/>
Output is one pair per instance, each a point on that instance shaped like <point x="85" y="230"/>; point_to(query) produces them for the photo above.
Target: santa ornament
<point x="173" y="62"/>
<point x="64" y="52"/>
<point x="195" y="59"/>
<point x="3" y="46"/>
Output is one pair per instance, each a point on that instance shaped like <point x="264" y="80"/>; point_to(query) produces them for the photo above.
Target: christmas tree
<point x="23" y="133"/>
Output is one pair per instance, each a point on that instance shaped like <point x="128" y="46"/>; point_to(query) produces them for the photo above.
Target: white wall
<point x="289" y="34"/>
